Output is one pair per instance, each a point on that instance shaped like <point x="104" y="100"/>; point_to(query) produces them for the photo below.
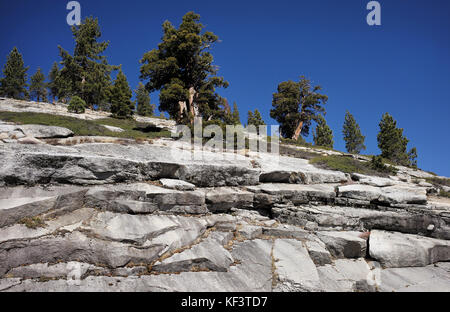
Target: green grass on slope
<point x="133" y="129"/>
<point x="346" y="164"/>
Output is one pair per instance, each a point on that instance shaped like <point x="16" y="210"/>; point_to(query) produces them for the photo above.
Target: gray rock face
<point x="396" y="250"/>
<point x="344" y="244"/>
<point x="108" y="163"/>
<point x="294" y="267"/>
<point x="177" y="185"/>
<point x="35" y="131"/>
<point x="224" y="198"/>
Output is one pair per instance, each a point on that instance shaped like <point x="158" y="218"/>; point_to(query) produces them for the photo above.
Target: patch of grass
<point x="346" y="164"/>
<point x="444" y="194"/>
<point x="33" y="222"/>
<point x="80" y="127"/>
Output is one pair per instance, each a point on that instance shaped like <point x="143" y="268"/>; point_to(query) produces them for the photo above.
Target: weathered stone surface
<point x="294" y="267"/>
<point x="344" y="244"/>
<point x="19" y="203"/>
<point x="249" y="231"/>
<point x="67" y="222"/>
<point x="276" y="193"/>
<point x="207" y="255"/>
<point x="141" y="228"/>
<point x="222" y="199"/>
<point x="318" y="252"/>
<point x="113" y="163"/>
<point x="177" y="184"/>
<point x="35" y="131"/>
<point x="145" y="198"/>
<point x="373" y="181"/>
<point x="286" y="231"/>
<point x="390" y="195"/>
<point x="432" y="278"/>
<point x="347" y="275"/>
<point x="72" y="247"/>
<point x="396" y="250"/>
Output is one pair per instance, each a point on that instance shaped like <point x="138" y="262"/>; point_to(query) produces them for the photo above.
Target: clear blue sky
<point x="401" y="67"/>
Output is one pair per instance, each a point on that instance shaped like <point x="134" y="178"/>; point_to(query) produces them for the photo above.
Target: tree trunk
<point x="298" y="131"/>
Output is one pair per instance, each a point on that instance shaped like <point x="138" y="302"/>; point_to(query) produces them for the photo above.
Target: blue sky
<point x="401" y="67"/>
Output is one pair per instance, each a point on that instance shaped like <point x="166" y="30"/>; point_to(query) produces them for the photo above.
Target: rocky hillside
<point x="124" y="215"/>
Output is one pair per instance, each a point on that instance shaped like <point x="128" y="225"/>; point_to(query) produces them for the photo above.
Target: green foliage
<point x="120" y="97"/>
<point x="33" y="222"/>
<point x="81" y="127"/>
<point x="391" y="141"/>
<point x="52" y="84"/>
<point x="323" y="135"/>
<point x="14" y="81"/>
<point x="438" y="181"/>
<point x="86" y="73"/>
<point x="378" y="164"/>
<point x="144" y="108"/>
<point x="181" y="68"/>
<point x="412" y="156"/>
<point x="255" y="119"/>
<point x="444" y="194"/>
<point x="354" y="140"/>
<point x="76" y="105"/>
<point x="295" y="104"/>
<point x="346" y="164"/>
<point x="236" y="117"/>
<point x="38" y="87"/>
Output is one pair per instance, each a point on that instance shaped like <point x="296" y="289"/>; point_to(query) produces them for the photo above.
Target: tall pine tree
<point x="120" y="97"/>
<point x="324" y="135"/>
<point x="236" y="117"/>
<point x="14" y="81"/>
<point x="392" y="143"/>
<point x="144" y="108"/>
<point x="87" y="73"/>
<point x="354" y="140"/>
<point x="38" y="86"/>
<point x="52" y="84"/>
<point x="181" y="68"/>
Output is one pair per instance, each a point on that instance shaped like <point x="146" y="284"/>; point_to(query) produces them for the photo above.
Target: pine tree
<point x="38" y="86"/>
<point x="14" y="82"/>
<point x="236" y="117"/>
<point x="76" y="105"/>
<point x="52" y="84"/>
<point x="392" y="143"/>
<point x="120" y="97"/>
<point x="295" y="105"/>
<point x="412" y="155"/>
<point x="86" y="73"/>
<point x="354" y="140"/>
<point x="181" y="69"/>
<point x="144" y="108"/>
<point x="255" y="119"/>
<point x="324" y="135"/>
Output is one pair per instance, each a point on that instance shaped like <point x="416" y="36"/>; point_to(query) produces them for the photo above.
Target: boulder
<point x="223" y="199"/>
<point x="397" y="250"/>
<point x="344" y="244"/>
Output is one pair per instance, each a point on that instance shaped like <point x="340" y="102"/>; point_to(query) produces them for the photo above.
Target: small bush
<point x="32" y="222"/>
<point x="438" y="181"/>
<point x="378" y="164"/>
<point x="444" y="194"/>
<point x="77" y="105"/>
